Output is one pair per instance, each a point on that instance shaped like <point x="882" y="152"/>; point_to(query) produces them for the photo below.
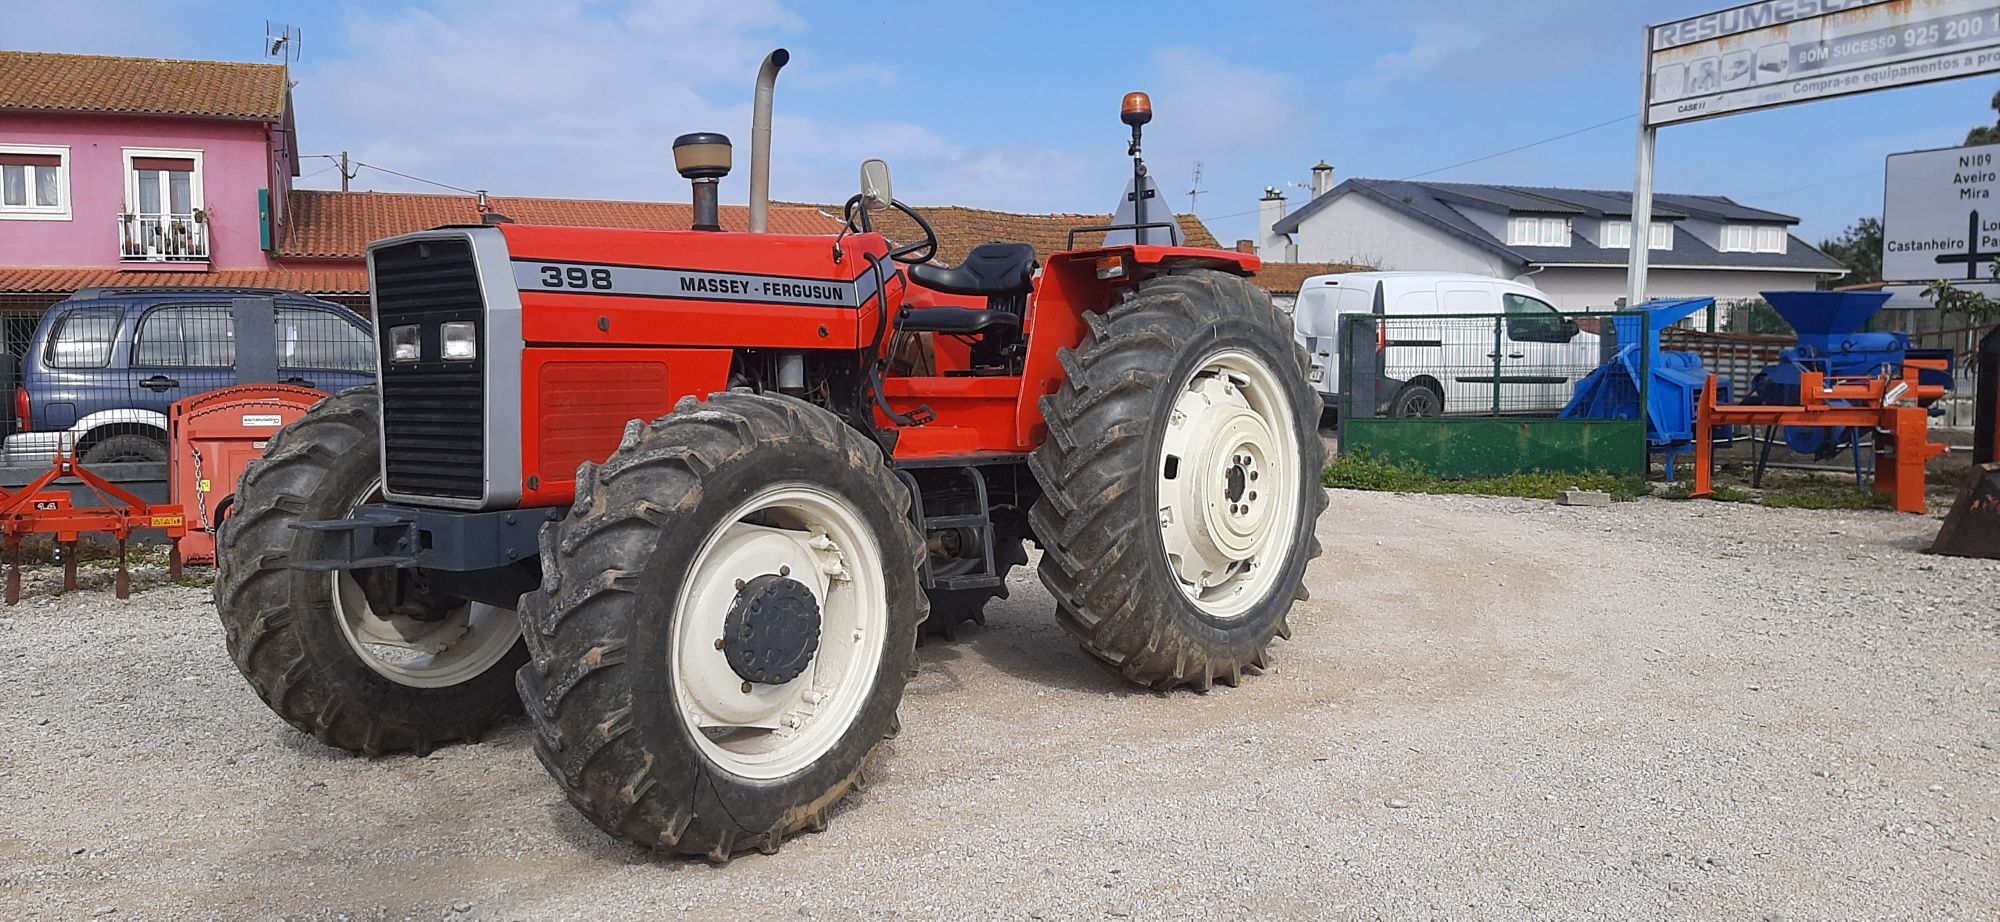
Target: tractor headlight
<point x="460" y="341"/>
<point x="406" y="343"/>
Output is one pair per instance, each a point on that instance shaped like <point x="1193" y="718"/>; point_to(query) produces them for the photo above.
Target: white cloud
<point x="583" y="99"/>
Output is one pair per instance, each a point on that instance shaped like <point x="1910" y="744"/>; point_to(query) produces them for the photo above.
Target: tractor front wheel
<point x="1180" y="481"/>
<point x="311" y="644"/>
<point x="725" y="625"/>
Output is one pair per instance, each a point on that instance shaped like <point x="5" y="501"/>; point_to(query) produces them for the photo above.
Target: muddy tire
<point x="1180" y="481"/>
<point x="953" y="609"/>
<point x="288" y="630"/>
<point x="664" y="604"/>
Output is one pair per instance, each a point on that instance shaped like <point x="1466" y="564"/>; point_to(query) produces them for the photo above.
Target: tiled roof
<point x="340" y="225"/>
<point x="1289" y="278"/>
<point x="1443" y="205"/>
<point x="960" y="229"/>
<point x="141" y="86"/>
<point x="64" y="281"/>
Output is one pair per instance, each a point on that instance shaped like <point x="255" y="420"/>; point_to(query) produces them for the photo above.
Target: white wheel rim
<point x="807" y="534"/>
<point x="454" y="649"/>
<point x="1228" y="493"/>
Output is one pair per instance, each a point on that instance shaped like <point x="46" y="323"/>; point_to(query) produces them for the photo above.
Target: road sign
<point x="1779" y="52"/>
<point x="1941" y="214"/>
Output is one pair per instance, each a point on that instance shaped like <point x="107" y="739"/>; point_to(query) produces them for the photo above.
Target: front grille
<point x="433" y="411"/>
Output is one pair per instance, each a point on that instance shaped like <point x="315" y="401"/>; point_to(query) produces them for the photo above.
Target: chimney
<point x="1246" y="246"/>
<point x="1270" y="210"/>
<point x="1322" y="179"/>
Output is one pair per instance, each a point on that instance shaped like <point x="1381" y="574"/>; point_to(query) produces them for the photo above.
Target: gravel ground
<point x="1493" y="708"/>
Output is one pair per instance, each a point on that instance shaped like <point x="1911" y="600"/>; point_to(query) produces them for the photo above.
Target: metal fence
<point x="1471" y="395"/>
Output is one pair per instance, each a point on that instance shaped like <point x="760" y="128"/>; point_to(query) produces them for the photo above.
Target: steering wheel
<point x="923" y="251"/>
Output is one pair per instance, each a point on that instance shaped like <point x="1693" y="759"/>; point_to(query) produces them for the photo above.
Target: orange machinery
<point x="39" y="509"/>
<point x="1890" y="405"/>
<point x="214" y="436"/>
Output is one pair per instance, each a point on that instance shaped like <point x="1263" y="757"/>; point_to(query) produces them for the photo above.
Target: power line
<point x="341" y="158"/>
<point x="1515" y="150"/>
<point x="1512" y="150"/>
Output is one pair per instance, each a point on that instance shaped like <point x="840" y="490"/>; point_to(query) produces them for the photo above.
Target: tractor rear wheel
<point x="310" y="643"/>
<point x="1180" y="481"/>
<point x="726" y="622"/>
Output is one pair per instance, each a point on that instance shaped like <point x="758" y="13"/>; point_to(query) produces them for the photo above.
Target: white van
<point x="1448" y="365"/>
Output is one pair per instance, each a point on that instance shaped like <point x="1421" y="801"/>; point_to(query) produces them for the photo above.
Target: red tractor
<point x="689" y="496"/>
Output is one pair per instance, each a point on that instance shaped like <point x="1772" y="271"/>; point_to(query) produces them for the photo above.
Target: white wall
<point x="1358" y="230"/>
<point x="1600" y="288"/>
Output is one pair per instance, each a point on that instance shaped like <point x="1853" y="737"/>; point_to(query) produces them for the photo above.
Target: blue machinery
<point x="1832" y="340"/>
<point x="1672" y="381"/>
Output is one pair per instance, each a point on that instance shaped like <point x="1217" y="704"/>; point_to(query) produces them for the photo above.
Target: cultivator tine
<point x="69" y="566"/>
<point x="13" y="570"/>
<point x="124" y="574"/>
<point x="174" y="561"/>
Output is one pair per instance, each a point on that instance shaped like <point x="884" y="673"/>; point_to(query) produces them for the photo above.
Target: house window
<point x="1661" y="237"/>
<point x="34" y="182"/>
<point x="1617" y="235"/>
<point x="163" y="217"/>
<point x="1753" y="238"/>
<point x="1538" y="232"/>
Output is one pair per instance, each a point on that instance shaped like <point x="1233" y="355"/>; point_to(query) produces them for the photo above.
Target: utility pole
<point x="344" y="174"/>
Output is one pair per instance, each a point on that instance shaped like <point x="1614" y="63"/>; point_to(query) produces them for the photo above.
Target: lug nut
<point x="718" y="643"/>
<point x="746" y="688"/>
<point x="784" y="570"/>
<point x="739" y="585"/>
<point x="1253" y="494"/>
<point x="1253" y="475"/>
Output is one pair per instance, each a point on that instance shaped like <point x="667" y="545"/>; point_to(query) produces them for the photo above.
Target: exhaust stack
<point x="760" y="141"/>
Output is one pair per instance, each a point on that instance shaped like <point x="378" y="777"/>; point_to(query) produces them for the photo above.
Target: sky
<point x="1013" y="106"/>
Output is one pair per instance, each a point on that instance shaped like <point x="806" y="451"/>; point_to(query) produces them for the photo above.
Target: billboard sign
<point x="1941" y="214"/>
<point x="1779" y="52"/>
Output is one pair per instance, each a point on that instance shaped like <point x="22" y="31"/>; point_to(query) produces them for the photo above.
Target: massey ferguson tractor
<point x="689" y="497"/>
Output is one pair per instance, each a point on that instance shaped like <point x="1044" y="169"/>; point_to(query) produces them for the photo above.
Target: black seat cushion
<point x="991" y="269"/>
<point x="964" y="321"/>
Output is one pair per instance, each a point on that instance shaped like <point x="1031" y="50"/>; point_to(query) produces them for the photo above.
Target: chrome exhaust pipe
<point x="760" y="141"/>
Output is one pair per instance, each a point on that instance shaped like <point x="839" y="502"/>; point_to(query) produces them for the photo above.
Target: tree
<point x="1859" y="248"/>
<point x="1986" y="134"/>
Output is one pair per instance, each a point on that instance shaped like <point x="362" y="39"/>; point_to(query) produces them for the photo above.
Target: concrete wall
<point x="1357" y="230"/>
<point x="1600" y="288"/>
<point x="237" y="160"/>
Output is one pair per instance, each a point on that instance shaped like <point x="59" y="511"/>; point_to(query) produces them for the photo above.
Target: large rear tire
<point x="1180" y="481"/>
<point x="679" y="698"/>
<point x="308" y="641"/>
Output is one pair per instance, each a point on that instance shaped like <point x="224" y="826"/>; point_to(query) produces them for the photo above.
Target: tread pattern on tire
<point x="1093" y="471"/>
<point x="579" y="684"/>
<point x="294" y="662"/>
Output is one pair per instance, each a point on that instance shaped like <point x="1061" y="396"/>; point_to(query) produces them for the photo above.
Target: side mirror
<point x="1570" y="328"/>
<point x="875" y="190"/>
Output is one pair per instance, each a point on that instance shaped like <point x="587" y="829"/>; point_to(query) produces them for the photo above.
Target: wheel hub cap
<point x="1228" y="492"/>
<point x="771" y="630"/>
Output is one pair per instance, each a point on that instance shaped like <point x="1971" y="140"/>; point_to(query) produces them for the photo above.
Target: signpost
<point x="1779" y="52"/>
<point x="1941" y="215"/>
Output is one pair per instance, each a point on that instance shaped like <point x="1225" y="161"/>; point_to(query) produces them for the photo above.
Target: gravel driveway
<point x="1492" y="709"/>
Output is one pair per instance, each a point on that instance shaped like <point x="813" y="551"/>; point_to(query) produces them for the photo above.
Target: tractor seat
<point x="991" y="270"/>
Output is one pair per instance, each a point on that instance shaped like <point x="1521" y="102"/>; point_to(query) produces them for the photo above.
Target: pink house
<point x="127" y="171"/>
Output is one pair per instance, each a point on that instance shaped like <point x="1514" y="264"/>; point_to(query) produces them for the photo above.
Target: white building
<point x="1571" y="243"/>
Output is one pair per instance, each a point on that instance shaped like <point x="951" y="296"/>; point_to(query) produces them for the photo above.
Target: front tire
<point x="1180" y="481"/>
<point x="309" y="642"/>
<point x="725" y="625"/>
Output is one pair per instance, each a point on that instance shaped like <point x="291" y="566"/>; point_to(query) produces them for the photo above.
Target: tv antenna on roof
<point x="282" y="42"/>
<point x="1194" y="188"/>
